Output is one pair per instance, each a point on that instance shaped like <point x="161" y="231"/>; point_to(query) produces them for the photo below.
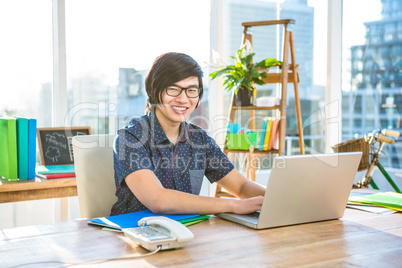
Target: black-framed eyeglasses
<point x="191" y="92"/>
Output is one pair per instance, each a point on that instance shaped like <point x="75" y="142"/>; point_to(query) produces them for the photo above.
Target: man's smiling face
<point x="175" y="110"/>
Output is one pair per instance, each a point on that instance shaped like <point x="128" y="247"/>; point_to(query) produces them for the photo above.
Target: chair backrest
<point x="93" y="160"/>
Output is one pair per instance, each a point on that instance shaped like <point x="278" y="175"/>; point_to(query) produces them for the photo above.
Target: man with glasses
<point x="160" y="159"/>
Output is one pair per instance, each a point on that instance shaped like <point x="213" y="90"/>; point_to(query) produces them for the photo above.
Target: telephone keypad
<point x="148" y="233"/>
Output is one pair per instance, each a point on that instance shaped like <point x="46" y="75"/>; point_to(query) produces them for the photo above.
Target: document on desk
<point x="372" y="209"/>
<point x="130" y="220"/>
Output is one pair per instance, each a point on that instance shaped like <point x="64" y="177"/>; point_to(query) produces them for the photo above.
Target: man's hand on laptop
<point x="249" y="205"/>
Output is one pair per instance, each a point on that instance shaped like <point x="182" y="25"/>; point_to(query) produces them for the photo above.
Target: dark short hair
<point x="168" y="69"/>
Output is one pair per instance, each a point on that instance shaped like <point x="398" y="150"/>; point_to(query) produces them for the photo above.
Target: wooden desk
<point x="360" y="239"/>
<point x="34" y="189"/>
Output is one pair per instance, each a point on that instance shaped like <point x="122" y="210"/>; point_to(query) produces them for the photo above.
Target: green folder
<point x="22" y="147"/>
<point x="8" y="148"/>
<point x="389" y="200"/>
<point x="191" y="221"/>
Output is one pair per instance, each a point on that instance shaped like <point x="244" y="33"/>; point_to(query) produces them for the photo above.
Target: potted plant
<point x="244" y="74"/>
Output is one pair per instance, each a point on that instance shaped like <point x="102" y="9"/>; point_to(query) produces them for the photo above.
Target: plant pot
<point x="244" y="97"/>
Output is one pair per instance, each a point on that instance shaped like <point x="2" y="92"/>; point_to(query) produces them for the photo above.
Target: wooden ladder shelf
<point x="289" y="74"/>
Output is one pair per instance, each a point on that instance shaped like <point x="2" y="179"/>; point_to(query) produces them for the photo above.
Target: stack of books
<point x="17" y="148"/>
<point x="55" y="172"/>
<point x="269" y="134"/>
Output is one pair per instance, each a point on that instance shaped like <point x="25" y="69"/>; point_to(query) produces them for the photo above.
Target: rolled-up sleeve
<point x="217" y="163"/>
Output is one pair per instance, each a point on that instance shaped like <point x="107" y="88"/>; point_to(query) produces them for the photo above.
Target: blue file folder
<point x="130" y="220"/>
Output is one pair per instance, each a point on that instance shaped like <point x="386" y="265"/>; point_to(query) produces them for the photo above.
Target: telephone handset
<point x="159" y="232"/>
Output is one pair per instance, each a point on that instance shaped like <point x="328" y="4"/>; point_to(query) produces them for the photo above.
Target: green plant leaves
<point x="254" y="73"/>
<point x="244" y="72"/>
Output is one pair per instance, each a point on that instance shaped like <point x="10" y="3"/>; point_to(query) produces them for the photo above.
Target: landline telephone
<point x="159" y="232"/>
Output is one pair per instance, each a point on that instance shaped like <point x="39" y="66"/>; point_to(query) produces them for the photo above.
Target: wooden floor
<point x="359" y="239"/>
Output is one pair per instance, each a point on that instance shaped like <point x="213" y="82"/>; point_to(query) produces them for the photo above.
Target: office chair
<point x="93" y="160"/>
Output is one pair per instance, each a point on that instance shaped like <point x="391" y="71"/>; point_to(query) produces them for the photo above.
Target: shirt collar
<point x="159" y="134"/>
<point x="183" y="135"/>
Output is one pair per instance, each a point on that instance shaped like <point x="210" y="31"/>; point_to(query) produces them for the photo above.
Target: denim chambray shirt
<point x="142" y="144"/>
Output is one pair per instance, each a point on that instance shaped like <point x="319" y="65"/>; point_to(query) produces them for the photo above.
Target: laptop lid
<point x="305" y="188"/>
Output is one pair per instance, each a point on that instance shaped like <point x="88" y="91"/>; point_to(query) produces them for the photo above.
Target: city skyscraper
<point x="375" y="98"/>
<point x="265" y="39"/>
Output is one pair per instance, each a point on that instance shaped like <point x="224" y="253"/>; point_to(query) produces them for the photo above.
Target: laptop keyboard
<point x="254" y="215"/>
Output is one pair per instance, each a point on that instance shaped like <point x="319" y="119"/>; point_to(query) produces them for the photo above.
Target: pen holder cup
<point x="241" y="141"/>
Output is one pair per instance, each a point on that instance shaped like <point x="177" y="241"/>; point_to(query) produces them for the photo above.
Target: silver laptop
<point x="302" y="189"/>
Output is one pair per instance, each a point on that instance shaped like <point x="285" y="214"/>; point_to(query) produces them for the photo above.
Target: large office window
<point x="112" y="44"/>
<point x="371" y="72"/>
<point x="26" y="59"/>
<point x="26" y="87"/>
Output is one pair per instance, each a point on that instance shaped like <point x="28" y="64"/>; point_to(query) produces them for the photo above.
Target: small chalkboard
<point x="55" y="144"/>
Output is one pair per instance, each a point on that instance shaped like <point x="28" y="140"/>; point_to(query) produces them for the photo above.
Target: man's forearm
<point x="251" y="189"/>
<point x="177" y="202"/>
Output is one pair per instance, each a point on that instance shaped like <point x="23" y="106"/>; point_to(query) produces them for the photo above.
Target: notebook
<point x="303" y="189"/>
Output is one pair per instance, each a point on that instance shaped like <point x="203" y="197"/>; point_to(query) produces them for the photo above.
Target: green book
<point x="8" y="149"/>
<point x="3" y="148"/>
<point x="389" y="200"/>
<point x="22" y="147"/>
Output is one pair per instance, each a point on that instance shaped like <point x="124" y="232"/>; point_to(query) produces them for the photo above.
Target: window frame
<point x="59" y="89"/>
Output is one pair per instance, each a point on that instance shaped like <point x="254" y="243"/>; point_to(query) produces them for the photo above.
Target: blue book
<point x="55" y="169"/>
<point x="31" y="148"/>
<point x="22" y="147"/>
<point x="263" y="131"/>
<point x="130" y="220"/>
